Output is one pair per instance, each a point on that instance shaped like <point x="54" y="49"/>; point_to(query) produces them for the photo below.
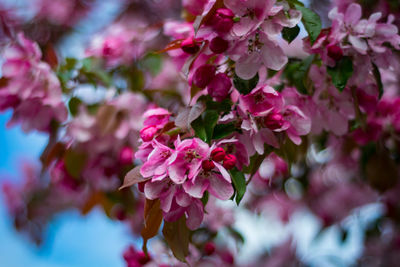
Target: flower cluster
<point x="199" y="102"/>
<point x="30" y="88"/>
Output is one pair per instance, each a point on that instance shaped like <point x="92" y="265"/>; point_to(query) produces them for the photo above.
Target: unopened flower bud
<point x="204" y="75"/>
<point x="229" y="161"/>
<point x="335" y="52"/>
<point x="148" y="133"/>
<point x="209" y="248"/>
<point x="207" y="165"/>
<point x="126" y="155"/>
<point x="218" y="154"/>
<point x="190" y="46"/>
<point x="220" y="86"/>
<point x="142" y="258"/>
<point x="274" y="121"/>
<point x="218" y="45"/>
<point x="223" y="20"/>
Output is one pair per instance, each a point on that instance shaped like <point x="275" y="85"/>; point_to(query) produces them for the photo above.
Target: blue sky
<point x="71" y="240"/>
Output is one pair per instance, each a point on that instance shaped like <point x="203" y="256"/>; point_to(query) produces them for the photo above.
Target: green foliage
<point x="239" y="183"/>
<point x="378" y="79"/>
<point x="223" y="130"/>
<point x="152" y="62"/>
<point x="245" y="86"/>
<point x="341" y="73"/>
<point x="311" y="21"/>
<point x="289" y="34"/>
<point x="296" y="74"/>
<point x="177" y="236"/>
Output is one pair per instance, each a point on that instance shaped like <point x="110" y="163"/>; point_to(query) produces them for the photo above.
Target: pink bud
<point x="195" y="7"/>
<point x="147" y="133"/>
<point x="218" y="154"/>
<point x="207" y="165"/>
<point x="142" y="258"/>
<point x="203" y="75"/>
<point x="227" y="257"/>
<point x="335" y="52"/>
<point x="190" y="46"/>
<point x="229" y="161"/>
<point x="209" y="248"/>
<point x="274" y="121"/>
<point x="218" y="45"/>
<point x="223" y="20"/>
<point x="126" y="155"/>
<point x="220" y="86"/>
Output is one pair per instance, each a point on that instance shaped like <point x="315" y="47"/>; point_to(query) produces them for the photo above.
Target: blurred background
<point x="74" y="240"/>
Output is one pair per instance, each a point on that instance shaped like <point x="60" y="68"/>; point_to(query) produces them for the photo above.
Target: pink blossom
<point x="157" y="162"/>
<point x="256" y="51"/>
<point x="185" y="162"/>
<point x="218" y="185"/>
<point x="219" y="86"/>
<point x="363" y="33"/>
<point x="122" y="43"/>
<point x="261" y="101"/>
<point x="193" y="211"/>
<point x="252" y="14"/>
<point x="31" y="89"/>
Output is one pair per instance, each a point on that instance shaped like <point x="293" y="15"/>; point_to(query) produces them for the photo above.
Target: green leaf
<point x="177" y="236"/>
<point x="341" y="73"/>
<point x="311" y="21"/>
<point x="245" y="86"/>
<point x="289" y="34"/>
<point x="87" y="64"/>
<point x="152" y="221"/>
<point x="223" y="106"/>
<point x="223" y="130"/>
<point x="210" y="120"/>
<point x="74" y="162"/>
<point x="296" y="74"/>
<point x="378" y="78"/>
<point x="239" y="182"/>
<point x="73" y="105"/>
<point x="199" y="129"/>
<point x="205" y="197"/>
<point x="236" y="234"/>
<point x="255" y="163"/>
<point x="70" y="63"/>
<point x="153" y="63"/>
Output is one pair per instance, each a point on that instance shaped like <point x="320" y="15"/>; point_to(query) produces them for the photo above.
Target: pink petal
<point x="196" y="189"/>
<point x="220" y="188"/>
<point x="223" y="171"/>
<point x="166" y="199"/>
<point x="182" y="198"/>
<point x="195" y="215"/>
<point x="359" y="44"/>
<point x="248" y="65"/>
<point x="152" y="190"/>
<point x="177" y="172"/>
<point x="353" y="14"/>
<point x="272" y="55"/>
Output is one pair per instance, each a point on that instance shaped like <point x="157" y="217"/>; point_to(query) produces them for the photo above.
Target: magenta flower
<point x="31" y="89"/>
<point x="194" y="213"/>
<point x="251" y="13"/>
<point x="185" y="163"/>
<point x="363" y="33"/>
<point x="217" y="182"/>
<point x="261" y="101"/>
<point x="156" y="165"/>
<point x="256" y="51"/>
